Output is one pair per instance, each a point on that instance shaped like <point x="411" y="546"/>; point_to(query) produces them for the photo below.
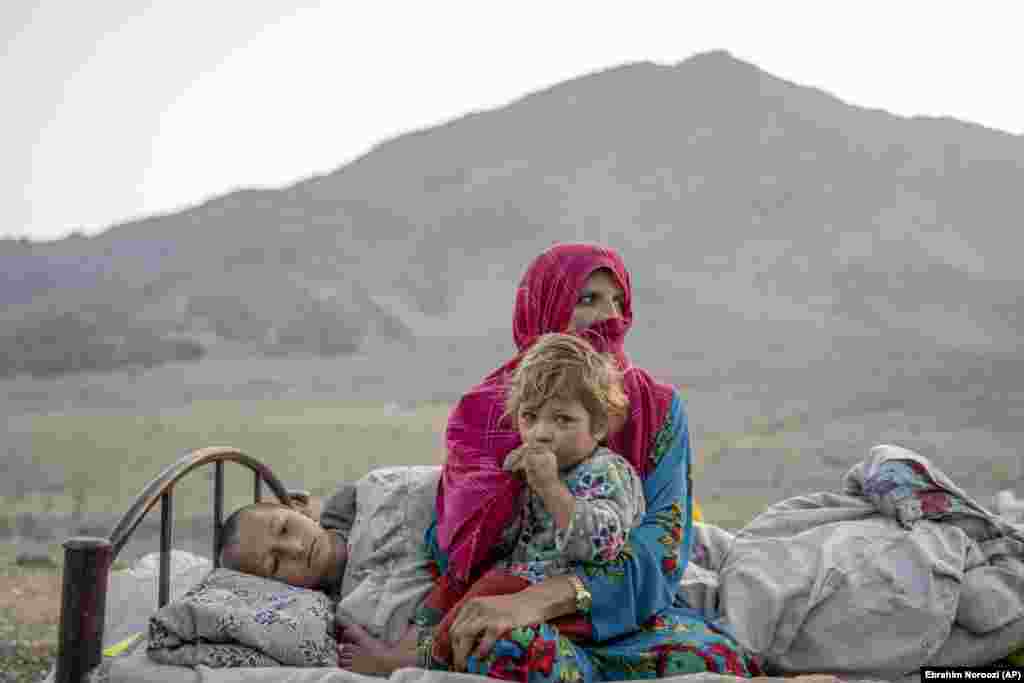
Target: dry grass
<point x="32" y="599"/>
<point x="29" y="616"/>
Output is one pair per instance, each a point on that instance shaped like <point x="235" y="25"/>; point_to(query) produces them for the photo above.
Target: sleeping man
<point x="284" y="543"/>
<point x="287" y="544"/>
<point x="365" y="553"/>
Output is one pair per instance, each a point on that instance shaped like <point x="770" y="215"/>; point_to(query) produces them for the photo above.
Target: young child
<point x="581" y="499"/>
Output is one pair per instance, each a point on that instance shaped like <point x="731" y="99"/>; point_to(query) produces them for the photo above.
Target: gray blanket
<point x="875" y="581"/>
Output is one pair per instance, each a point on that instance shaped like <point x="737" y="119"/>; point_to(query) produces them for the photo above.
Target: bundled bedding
<point x="900" y="570"/>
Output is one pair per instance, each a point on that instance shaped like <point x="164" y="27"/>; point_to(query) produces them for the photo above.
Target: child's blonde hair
<point x="567" y="367"/>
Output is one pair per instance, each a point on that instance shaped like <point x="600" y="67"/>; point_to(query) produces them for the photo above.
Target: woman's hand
<point x="482" y="621"/>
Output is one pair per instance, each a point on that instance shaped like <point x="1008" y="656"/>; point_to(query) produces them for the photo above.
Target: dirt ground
<point x="29" y="616"/>
<point x="33" y="599"/>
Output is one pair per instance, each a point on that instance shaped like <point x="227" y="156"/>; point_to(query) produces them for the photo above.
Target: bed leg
<point x="82" y="607"/>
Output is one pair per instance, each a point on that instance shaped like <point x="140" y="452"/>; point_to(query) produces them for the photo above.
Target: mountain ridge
<point x="757" y="200"/>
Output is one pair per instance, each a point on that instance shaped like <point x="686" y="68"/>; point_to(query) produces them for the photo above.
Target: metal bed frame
<point x="87" y="559"/>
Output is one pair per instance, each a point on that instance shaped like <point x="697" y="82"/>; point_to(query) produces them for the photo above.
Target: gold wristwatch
<point x="583" y="597"/>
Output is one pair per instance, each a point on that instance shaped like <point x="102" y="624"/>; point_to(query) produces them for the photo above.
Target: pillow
<point x="384" y="515"/>
<point x="235" y="619"/>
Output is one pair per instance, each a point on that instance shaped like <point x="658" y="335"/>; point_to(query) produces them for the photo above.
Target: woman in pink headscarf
<point x="634" y="624"/>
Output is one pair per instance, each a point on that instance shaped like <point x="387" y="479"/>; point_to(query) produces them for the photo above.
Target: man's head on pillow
<point x="278" y="542"/>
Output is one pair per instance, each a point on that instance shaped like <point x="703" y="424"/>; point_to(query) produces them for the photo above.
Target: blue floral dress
<point x="640" y="629"/>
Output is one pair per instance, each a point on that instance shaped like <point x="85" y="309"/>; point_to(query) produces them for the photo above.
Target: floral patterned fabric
<point x="643" y="580"/>
<point x="609" y="503"/>
<point x="679" y="641"/>
<point x="903" y="489"/>
<point x="638" y="631"/>
<point x="232" y="619"/>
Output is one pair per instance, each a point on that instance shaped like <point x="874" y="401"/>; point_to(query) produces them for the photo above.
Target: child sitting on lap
<point x="581" y="499"/>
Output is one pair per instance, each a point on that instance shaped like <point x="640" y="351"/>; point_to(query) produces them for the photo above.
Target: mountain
<point x="769" y="227"/>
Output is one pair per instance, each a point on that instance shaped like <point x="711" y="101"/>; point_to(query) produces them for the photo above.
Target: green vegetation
<point x="761" y="433"/>
<point x="310" y="444"/>
<point x="108" y="458"/>
<point x="734" y="511"/>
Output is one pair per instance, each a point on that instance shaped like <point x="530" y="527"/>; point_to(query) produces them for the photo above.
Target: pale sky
<point x="117" y="109"/>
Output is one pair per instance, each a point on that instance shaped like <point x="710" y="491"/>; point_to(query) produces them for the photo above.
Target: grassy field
<point x="108" y="458"/>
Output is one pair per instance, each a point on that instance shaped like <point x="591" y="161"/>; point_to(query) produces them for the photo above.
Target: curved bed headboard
<point x="87" y="559"/>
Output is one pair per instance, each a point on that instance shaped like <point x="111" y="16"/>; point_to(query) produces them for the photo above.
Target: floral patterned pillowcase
<point x="235" y="619"/>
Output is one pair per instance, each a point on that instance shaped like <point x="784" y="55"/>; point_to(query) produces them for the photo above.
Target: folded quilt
<point x="231" y="619"/>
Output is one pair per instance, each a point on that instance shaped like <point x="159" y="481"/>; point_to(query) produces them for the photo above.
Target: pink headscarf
<point x="476" y="499"/>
